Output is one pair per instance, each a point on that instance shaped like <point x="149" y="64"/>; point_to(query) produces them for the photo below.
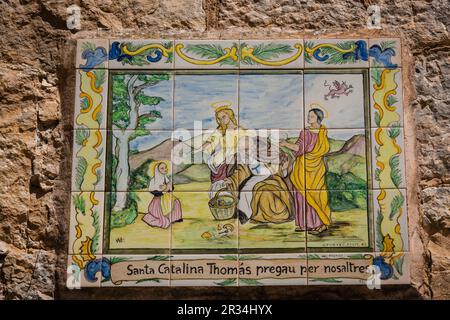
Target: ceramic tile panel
<point x="204" y="270"/>
<point x="265" y="154"/>
<point x="386" y="97"/>
<point x="339" y="99"/>
<point x="84" y="271"/>
<point x="271" y="54"/>
<point x="238" y="163"/>
<point x="385" y="52"/>
<point x="141" y="54"/>
<point x="140" y="159"/>
<point x="141" y="220"/>
<point x="92" y="54"/>
<point x="336" y="53"/>
<point x="371" y="269"/>
<point x="342" y="268"/>
<point x="341" y="159"/>
<point x="91" y="99"/>
<point x="271" y="100"/>
<point x="388" y="158"/>
<point x="142" y="101"/>
<point x="197" y="166"/>
<point x="394" y="267"/>
<point x="136" y="270"/>
<point x="206" y="100"/>
<point x="86" y="223"/>
<point x="390" y="220"/>
<point x="206" y="54"/>
<point x="273" y="269"/>
<point x="208" y="223"/>
<point x="337" y="220"/>
<point x="88" y="161"/>
<point x="269" y="221"/>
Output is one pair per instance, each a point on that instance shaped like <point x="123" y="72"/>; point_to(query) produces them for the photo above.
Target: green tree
<point x="128" y="96"/>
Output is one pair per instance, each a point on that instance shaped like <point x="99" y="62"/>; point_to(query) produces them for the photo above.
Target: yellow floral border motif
<point x="165" y="52"/>
<point x="390" y="198"/>
<point x="85" y="214"/>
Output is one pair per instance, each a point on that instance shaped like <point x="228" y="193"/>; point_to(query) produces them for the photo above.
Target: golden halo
<point x="151" y="167"/>
<point x="221" y="105"/>
<point x="315" y="105"/>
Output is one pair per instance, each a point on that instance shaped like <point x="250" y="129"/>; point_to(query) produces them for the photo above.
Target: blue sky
<point x="194" y="95"/>
<point x="271" y="101"/>
<point x="343" y="112"/>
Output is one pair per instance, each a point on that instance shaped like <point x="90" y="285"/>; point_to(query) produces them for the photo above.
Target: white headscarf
<point x="158" y="179"/>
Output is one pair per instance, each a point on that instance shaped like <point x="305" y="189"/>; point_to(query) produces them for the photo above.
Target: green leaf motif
<point x="249" y="257"/>
<point x="84" y="104"/>
<point x="80" y="172"/>
<point x="391" y="100"/>
<point x="251" y="282"/>
<point x="377" y="174"/>
<point x="100" y="77"/>
<point x="230" y="257"/>
<point x="337" y="57"/>
<point x="394" y="163"/>
<point x="227" y="282"/>
<point x="327" y="280"/>
<point x="377" y="119"/>
<point x="394" y="132"/>
<point x="159" y="258"/>
<point x="114" y="260"/>
<point x="396" y="204"/>
<point x="307" y="56"/>
<point x="79" y="204"/>
<point x="88" y="46"/>
<point x="268" y="51"/>
<point x="141" y="58"/>
<point x="97" y="231"/>
<point x="398" y="264"/>
<point x="376" y="75"/>
<point x="210" y="52"/>
<point x="379" y="219"/>
<point x="390" y="44"/>
<point x="80" y="136"/>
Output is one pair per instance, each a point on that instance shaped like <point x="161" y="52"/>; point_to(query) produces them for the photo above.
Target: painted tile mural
<point x="238" y="163"/>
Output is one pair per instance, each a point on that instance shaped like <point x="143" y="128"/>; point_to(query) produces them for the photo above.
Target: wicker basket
<point x="222" y="207"/>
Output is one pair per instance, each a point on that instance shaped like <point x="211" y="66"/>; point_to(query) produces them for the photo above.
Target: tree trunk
<point x="123" y="168"/>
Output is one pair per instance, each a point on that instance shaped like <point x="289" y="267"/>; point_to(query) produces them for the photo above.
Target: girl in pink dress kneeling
<point x="164" y="208"/>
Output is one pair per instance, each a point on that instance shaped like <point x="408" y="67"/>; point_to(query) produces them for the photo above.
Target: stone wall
<point x="36" y="105"/>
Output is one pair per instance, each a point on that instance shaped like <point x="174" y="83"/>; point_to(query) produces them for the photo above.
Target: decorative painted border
<point x="92" y="54"/>
<point x="389" y="196"/>
<point x="385" y="53"/>
<point x="336" y="53"/>
<point x="258" y="54"/>
<point x="145" y="54"/>
<point x="91" y="268"/>
<point x="91" y="99"/>
<point x="195" y="54"/>
<point x="372" y="269"/>
<point x="233" y="54"/>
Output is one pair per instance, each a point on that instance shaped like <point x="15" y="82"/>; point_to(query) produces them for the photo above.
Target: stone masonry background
<point x="37" y="80"/>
